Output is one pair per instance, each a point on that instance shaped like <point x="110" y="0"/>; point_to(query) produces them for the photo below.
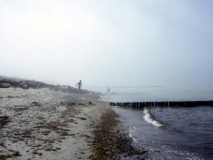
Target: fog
<point x="108" y="42"/>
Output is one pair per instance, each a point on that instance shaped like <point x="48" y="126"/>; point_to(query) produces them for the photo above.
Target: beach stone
<point x="81" y="104"/>
<point x="5" y="85"/>
<point x="91" y="104"/>
<point x="35" y="104"/>
<point x="71" y="104"/>
<point x="16" y="153"/>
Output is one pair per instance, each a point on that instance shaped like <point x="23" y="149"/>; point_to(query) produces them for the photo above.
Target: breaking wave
<point x="151" y="119"/>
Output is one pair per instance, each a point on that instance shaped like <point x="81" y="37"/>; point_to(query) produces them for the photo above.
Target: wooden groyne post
<point x="174" y="104"/>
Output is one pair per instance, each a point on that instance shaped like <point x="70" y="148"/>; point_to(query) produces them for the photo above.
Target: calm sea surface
<point x="168" y="133"/>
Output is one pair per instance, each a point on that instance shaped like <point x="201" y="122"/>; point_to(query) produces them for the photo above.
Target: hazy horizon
<point x="108" y="43"/>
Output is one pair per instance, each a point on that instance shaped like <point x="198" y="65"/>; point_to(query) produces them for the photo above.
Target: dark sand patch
<point x="3" y="121"/>
<point x="112" y="142"/>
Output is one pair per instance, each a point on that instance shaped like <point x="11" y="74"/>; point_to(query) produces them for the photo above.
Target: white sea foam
<point x="148" y="118"/>
<point x="131" y="133"/>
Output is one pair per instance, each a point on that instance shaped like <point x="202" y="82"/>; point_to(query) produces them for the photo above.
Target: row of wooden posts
<point x="140" y="105"/>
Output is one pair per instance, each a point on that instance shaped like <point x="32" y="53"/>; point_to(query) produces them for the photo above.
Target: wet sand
<point x="112" y="141"/>
<point x="47" y="124"/>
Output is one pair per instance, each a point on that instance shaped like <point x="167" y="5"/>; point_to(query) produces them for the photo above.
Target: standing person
<point x="79" y="85"/>
<point x="108" y="89"/>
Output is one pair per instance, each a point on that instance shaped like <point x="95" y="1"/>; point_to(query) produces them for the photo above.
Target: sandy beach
<point x="52" y="124"/>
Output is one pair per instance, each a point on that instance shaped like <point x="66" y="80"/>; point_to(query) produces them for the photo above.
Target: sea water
<point x="167" y="133"/>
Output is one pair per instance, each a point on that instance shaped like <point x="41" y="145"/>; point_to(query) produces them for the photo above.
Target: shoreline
<point x="54" y="123"/>
<point x="112" y="140"/>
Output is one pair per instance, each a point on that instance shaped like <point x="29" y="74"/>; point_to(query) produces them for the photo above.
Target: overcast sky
<point x="108" y="42"/>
